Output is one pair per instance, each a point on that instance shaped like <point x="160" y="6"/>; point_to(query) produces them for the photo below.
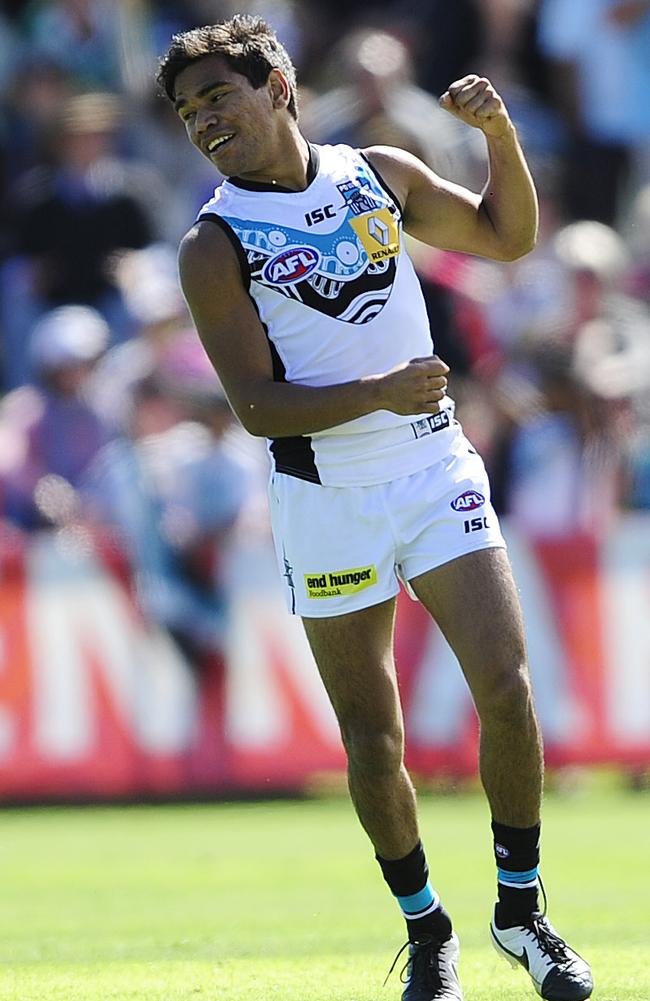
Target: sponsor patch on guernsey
<point x="335" y="583"/>
<point x="379" y="234"/>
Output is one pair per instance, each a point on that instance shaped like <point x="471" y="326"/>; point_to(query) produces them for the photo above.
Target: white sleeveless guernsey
<point x="339" y="300"/>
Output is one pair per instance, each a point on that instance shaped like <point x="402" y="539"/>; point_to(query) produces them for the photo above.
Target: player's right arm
<point x="236" y="343"/>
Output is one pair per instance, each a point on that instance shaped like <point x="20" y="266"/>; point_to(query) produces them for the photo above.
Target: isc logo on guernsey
<point x="469" y="501"/>
<point x="291" y="265"/>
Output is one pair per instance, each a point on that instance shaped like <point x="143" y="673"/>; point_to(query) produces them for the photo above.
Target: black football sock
<point x="516" y="850"/>
<point x="408" y="879"/>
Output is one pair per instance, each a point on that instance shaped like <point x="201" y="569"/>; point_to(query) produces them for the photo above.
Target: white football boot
<point x="558" y="973"/>
<point x="431" y="970"/>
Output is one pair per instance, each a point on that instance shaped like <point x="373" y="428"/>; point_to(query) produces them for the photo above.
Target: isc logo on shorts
<point x="335" y="583"/>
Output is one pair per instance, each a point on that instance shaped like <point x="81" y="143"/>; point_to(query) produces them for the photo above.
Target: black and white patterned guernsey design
<point x="339" y="300"/>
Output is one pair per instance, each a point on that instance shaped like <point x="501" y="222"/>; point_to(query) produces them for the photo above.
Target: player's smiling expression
<point x="226" y="118"/>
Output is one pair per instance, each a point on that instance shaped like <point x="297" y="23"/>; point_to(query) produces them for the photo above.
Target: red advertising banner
<point x="95" y="702"/>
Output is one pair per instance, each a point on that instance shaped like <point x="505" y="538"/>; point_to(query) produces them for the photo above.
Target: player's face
<point x="225" y="117"/>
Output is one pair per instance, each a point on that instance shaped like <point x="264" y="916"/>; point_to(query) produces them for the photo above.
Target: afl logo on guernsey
<point x="469" y="501"/>
<point x="291" y="265"/>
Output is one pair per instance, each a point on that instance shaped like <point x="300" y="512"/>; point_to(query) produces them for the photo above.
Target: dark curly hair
<point x="247" y="44"/>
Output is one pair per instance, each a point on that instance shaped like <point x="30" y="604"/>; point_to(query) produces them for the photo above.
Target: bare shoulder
<point x="410" y="179"/>
<point x="392" y="161"/>
<point x="389" y="156"/>
<point x="203" y="247"/>
<point x="395" y="166"/>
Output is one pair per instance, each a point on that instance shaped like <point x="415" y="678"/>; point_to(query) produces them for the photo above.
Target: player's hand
<point x="474" y="101"/>
<point x="415" y="387"/>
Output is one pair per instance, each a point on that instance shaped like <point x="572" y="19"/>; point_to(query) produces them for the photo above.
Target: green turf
<point x="257" y="902"/>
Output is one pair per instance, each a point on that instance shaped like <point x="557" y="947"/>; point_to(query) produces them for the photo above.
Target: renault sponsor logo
<point x="379" y="234"/>
<point x="334" y="583"/>
<point x="469" y="501"/>
<point x="379" y="230"/>
<point x="292" y="265"/>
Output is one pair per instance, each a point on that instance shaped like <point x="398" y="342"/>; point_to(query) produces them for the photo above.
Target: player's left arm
<point x="499" y="223"/>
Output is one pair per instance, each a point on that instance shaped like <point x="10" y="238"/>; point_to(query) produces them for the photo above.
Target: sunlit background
<point x="144" y="646"/>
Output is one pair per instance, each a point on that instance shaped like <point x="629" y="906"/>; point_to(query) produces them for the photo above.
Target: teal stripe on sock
<point x="417" y="902"/>
<point x="517" y="877"/>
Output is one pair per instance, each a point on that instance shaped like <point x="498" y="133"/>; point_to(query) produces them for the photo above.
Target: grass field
<point x="255" y="902"/>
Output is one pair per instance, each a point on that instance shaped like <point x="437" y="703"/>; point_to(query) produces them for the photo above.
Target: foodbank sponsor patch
<point x="335" y="583"/>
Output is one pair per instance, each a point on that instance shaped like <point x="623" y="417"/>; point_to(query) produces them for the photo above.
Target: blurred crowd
<point x="111" y="416"/>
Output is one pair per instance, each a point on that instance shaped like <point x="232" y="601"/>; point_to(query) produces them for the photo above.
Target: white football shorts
<point x="341" y="549"/>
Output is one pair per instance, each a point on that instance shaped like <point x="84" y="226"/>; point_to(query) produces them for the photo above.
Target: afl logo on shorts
<point x="469" y="501"/>
<point x="291" y="265"/>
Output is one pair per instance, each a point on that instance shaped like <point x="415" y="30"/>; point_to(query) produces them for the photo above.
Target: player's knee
<point x="372" y="749"/>
<point x="507" y="695"/>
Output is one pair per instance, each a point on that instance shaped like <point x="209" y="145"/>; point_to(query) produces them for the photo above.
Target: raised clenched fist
<point x="474" y="101"/>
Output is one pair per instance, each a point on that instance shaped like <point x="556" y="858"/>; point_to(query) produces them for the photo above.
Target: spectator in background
<point x="570" y="383"/>
<point x="638" y="481"/>
<point x="10" y="46"/>
<point x="611" y="328"/>
<point x="447" y="40"/>
<point x="185" y="174"/>
<point x="638" y="242"/>
<point x="599" y="51"/>
<point x="172" y="491"/>
<point x="95" y="204"/>
<point x="91" y="200"/>
<point x="10" y="55"/>
<point x="377" y="101"/>
<point x="637" y="238"/>
<point x="79" y="35"/>
<point x="147" y="280"/>
<point x="49" y="432"/>
<point x="34" y="97"/>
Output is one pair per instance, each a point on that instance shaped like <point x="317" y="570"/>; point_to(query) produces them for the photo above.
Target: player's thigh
<point x="443" y="512"/>
<point x="474" y="600"/>
<point x="354" y="655"/>
<point x="334" y="546"/>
